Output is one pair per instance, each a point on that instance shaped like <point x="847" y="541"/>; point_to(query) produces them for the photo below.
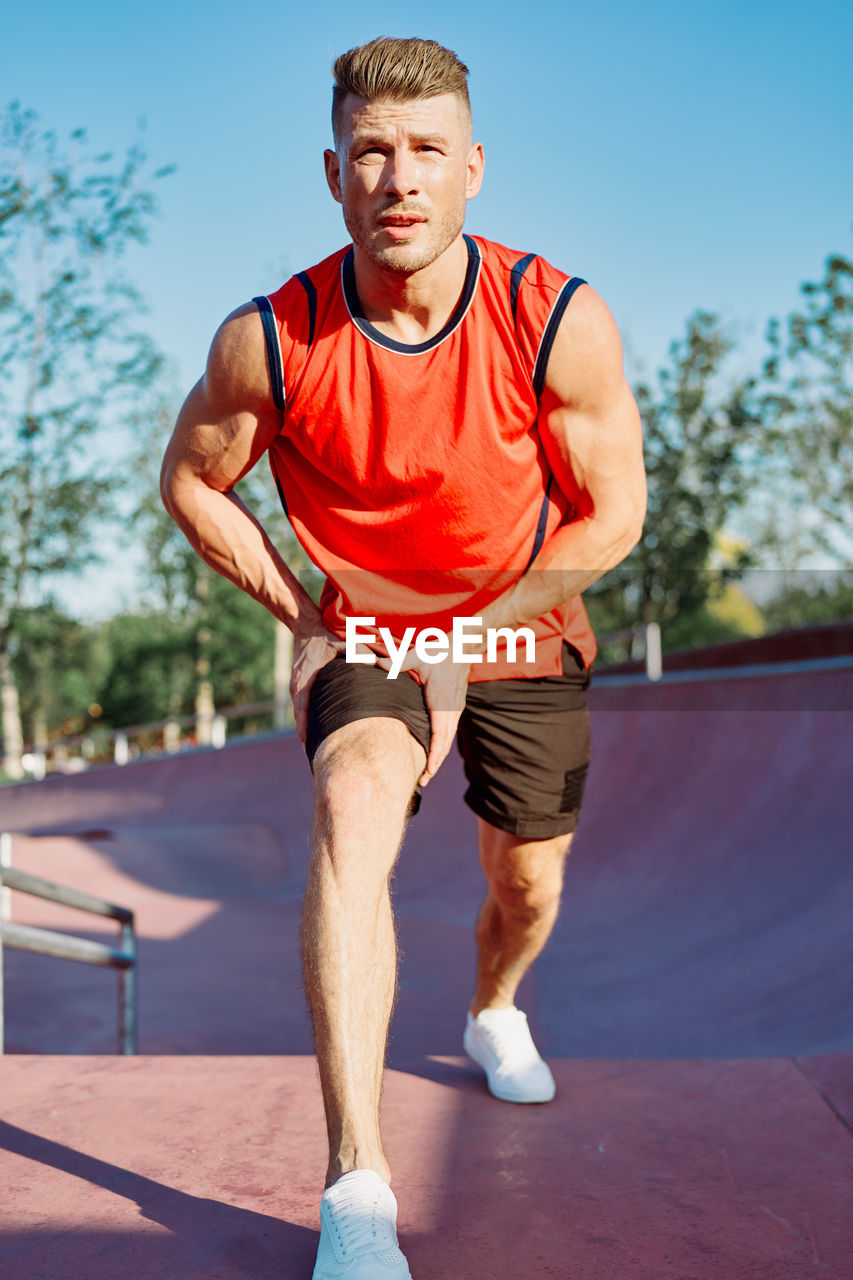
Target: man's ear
<point x="333" y="173"/>
<point x="476" y="164"/>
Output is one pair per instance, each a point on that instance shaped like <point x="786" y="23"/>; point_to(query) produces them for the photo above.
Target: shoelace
<point x="511" y="1040"/>
<point x="357" y="1219"/>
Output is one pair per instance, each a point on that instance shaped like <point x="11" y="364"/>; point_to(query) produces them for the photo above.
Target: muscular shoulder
<point x="237" y="375"/>
<point x="586" y="355"/>
<point x="523" y="271"/>
<point x="229" y="417"/>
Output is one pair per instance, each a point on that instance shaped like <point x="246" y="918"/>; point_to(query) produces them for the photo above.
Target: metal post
<point x="2" y="1024"/>
<point x="128" y="995"/>
<point x="5" y="913"/>
<point x="204" y="713"/>
<point x="5" y="861"/>
<point x="10" y="720"/>
<point x="218" y="731"/>
<point x="654" y="656"/>
<point x="65" y="946"/>
<point x="282" y="670"/>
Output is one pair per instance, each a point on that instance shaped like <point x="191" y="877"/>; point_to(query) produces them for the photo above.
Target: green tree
<point x="58" y="667"/>
<point x="153" y="656"/>
<point x="814" y="599"/>
<point x="233" y="644"/>
<point x="807" y="404"/>
<point x="72" y="360"/>
<point x="149" y="673"/>
<point x="699" y="426"/>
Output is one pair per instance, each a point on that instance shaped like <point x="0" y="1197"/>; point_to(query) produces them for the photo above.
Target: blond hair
<point x="399" y="70"/>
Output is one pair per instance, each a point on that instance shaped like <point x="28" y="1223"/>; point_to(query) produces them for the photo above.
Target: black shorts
<point x="524" y="742"/>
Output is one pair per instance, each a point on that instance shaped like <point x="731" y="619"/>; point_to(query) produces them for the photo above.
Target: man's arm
<point x="227" y="422"/>
<point x="592" y="435"/>
<point x="591" y="432"/>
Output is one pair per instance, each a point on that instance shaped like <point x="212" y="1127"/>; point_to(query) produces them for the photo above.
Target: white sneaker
<point x="358" y="1231"/>
<point x="500" y="1041"/>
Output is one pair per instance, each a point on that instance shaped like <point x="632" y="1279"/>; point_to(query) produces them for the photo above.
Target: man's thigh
<point x="526" y="748"/>
<point x="364" y="776"/>
<point x="345" y="693"/>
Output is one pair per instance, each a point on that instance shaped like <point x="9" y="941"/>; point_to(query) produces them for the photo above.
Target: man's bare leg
<point x="525" y="879"/>
<point x="364" y="776"/>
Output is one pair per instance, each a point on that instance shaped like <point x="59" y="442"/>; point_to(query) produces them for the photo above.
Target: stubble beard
<point x="405" y="259"/>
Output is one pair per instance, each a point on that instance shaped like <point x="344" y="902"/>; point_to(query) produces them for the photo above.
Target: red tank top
<point x="414" y="475"/>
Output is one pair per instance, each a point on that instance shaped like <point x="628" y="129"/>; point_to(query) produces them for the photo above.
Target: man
<point x="452" y="436"/>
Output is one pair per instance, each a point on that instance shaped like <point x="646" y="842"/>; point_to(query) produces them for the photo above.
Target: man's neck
<point x="412" y="308"/>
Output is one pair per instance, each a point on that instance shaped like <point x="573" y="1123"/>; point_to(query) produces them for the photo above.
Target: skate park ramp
<point x="696" y="1002"/>
<point x="706" y="912"/>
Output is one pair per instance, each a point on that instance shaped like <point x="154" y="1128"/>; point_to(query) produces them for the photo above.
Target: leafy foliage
<point x="230" y="638"/>
<point x="149" y="675"/>
<point x="698" y="428"/>
<point x="59" y="665"/>
<point x="807" y="407"/>
<point x="154" y="657"/>
<point x="71" y="357"/>
<point x="73" y="363"/>
<point x="812" y="600"/>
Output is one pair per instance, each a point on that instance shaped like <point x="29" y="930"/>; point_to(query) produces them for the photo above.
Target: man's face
<point x="403" y="172"/>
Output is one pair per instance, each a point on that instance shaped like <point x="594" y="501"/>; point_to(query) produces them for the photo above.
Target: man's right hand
<point x="313" y="647"/>
<point x="445" y="686"/>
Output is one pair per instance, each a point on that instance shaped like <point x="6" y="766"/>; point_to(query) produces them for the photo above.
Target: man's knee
<point x="525" y="897"/>
<point x="525" y="876"/>
<point x="365" y="771"/>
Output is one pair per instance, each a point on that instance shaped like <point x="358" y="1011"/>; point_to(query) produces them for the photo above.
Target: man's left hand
<point x="445" y="687"/>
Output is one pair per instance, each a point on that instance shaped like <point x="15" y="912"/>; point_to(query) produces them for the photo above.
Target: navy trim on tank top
<point x="550" y="333"/>
<point x="308" y="285"/>
<point x="515" y="278"/>
<point x="409" y="348"/>
<point x="540" y="527"/>
<point x="539" y="373"/>
<point x="273" y="351"/>
<point x="278" y="486"/>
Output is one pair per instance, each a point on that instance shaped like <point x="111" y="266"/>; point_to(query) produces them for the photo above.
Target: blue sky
<point x="675" y="155"/>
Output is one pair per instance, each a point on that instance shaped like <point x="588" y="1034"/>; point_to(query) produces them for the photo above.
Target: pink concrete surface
<point x="213" y="1167"/>
<point x="832" y="1076"/>
<point x="696" y="1002"/>
<point x="706" y="910"/>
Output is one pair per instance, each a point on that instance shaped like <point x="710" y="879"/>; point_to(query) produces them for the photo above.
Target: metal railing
<point x="166" y="737"/>
<point x="65" y="946"/>
<point x="643" y="643"/>
<point x="117" y="744"/>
